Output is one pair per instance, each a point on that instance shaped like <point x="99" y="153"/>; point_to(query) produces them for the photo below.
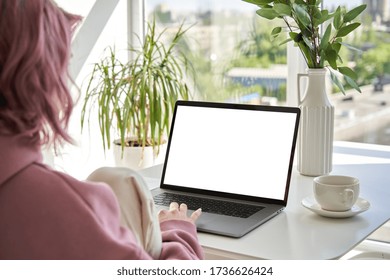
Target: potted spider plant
<point x="135" y="99"/>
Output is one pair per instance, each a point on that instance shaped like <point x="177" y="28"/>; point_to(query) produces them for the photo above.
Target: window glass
<point x="236" y="60"/>
<point x="230" y="49"/>
<point x="365" y="117"/>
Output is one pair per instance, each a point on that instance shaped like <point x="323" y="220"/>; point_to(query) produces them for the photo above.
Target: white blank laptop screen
<point x="230" y="150"/>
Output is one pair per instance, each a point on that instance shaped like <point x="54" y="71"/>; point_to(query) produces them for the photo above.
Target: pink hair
<point x="35" y="40"/>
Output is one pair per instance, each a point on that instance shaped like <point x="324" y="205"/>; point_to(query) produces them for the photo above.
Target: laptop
<point x="237" y="158"/>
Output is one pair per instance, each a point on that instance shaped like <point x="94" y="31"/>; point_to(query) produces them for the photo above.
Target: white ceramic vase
<point x="315" y="142"/>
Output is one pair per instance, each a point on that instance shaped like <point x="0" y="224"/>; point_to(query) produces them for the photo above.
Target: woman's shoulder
<point x="68" y="217"/>
<point x="39" y="185"/>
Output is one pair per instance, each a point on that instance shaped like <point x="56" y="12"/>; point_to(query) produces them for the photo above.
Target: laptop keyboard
<point x="209" y="205"/>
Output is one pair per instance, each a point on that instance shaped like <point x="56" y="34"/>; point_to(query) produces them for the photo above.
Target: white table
<point x="298" y="233"/>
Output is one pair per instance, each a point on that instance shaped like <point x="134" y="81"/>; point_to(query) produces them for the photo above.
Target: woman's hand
<point x="177" y="212"/>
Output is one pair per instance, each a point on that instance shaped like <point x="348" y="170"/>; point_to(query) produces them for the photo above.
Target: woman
<point x="45" y="214"/>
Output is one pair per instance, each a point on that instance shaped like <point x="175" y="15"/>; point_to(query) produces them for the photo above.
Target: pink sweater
<point x="45" y="214"/>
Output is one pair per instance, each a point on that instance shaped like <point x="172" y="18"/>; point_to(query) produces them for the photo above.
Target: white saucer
<point x="360" y="206"/>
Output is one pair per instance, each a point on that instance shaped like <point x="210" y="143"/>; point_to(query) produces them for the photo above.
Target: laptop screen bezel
<point x="283" y="109"/>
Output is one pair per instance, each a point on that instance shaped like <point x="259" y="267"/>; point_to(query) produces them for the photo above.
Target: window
<point x="365" y="117"/>
<point x="230" y="48"/>
<point x="236" y="60"/>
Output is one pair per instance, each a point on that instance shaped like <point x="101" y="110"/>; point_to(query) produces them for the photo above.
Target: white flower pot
<point x="137" y="157"/>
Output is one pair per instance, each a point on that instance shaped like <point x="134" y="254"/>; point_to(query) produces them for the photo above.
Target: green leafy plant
<point x="136" y="98"/>
<point x="302" y="20"/>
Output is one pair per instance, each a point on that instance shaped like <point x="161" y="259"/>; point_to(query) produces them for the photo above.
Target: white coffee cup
<point x="336" y="192"/>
